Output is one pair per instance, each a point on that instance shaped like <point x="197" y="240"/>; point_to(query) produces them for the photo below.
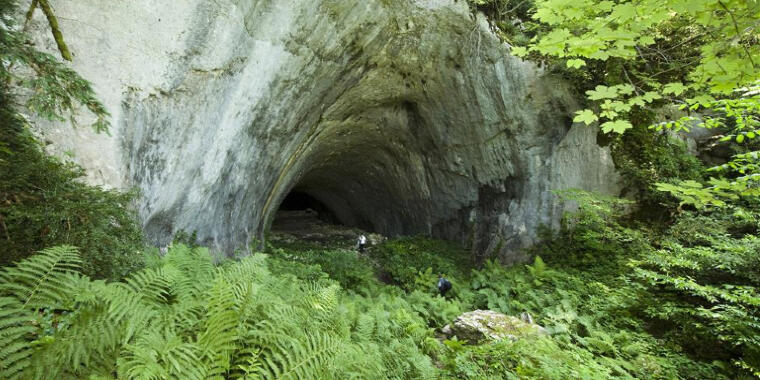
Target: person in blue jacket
<point x="444" y="285"/>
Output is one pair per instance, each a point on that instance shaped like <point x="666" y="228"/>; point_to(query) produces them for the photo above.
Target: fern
<point x="247" y="364"/>
<point x="162" y="355"/>
<point x="296" y="359"/>
<point x="218" y="341"/>
<point x="42" y="281"/>
<point x="184" y="318"/>
<point x="150" y="284"/>
<point x="15" y="349"/>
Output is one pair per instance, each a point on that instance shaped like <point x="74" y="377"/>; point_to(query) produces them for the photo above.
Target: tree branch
<point x="30" y="13"/>
<point x="53" y="21"/>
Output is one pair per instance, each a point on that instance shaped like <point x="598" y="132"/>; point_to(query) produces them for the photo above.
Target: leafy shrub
<point x="44" y="203"/>
<point x="693" y="287"/>
<point x="644" y="159"/>
<point x="705" y="285"/>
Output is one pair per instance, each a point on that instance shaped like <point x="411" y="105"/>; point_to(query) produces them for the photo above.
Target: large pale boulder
<point x="401" y="116"/>
<point x="476" y="326"/>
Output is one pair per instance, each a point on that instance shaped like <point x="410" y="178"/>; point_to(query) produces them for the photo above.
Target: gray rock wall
<point x="401" y="116"/>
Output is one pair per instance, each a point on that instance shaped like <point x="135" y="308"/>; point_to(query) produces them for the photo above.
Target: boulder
<point x="476" y="326"/>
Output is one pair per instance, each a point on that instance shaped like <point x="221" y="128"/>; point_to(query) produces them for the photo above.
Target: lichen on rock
<point x="479" y="325"/>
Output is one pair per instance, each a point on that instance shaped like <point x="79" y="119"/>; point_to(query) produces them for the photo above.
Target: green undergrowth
<point x="618" y="300"/>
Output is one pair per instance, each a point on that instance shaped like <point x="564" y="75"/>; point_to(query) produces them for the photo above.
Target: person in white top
<point x="361" y="242"/>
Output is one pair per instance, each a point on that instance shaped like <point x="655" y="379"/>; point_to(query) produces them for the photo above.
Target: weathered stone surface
<point x="400" y="116"/>
<point x="476" y="326"/>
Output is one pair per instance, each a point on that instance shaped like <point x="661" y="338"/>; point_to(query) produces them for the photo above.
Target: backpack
<point x="444" y="285"/>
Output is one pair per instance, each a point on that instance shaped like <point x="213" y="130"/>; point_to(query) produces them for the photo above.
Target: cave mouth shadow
<point x="301" y="212"/>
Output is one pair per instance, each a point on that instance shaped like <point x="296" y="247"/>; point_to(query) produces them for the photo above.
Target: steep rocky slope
<point x="400" y="116"/>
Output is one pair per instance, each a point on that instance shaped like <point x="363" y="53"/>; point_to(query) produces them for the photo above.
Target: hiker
<point x="444" y="285"/>
<point x="361" y="242"/>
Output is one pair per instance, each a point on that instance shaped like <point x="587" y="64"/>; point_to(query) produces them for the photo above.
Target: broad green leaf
<point x="519" y="51"/>
<point x="624" y="12"/>
<point x="675" y="88"/>
<point x="585" y="116"/>
<point x="646" y="40"/>
<point x="602" y="92"/>
<point x="547" y="16"/>
<point x="617" y="126"/>
<point x="625" y="89"/>
<point x="576" y="63"/>
<point x="651" y="96"/>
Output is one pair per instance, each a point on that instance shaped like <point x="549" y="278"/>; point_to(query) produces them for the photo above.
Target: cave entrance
<point x="301" y="214"/>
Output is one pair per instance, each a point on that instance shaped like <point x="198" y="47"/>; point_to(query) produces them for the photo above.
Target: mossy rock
<point x="479" y="325"/>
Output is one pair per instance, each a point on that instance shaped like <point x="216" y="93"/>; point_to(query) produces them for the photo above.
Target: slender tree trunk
<point x="53" y="21"/>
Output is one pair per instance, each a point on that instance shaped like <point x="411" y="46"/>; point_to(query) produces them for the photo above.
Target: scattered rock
<point x="525" y="317"/>
<point x="478" y="325"/>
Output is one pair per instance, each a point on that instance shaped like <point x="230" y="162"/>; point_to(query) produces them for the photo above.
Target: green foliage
<point x="618" y="300"/>
<point x="706" y="284"/>
<point x="186" y="318"/>
<point x="345" y="266"/>
<point x="647" y="161"/>
<point x="53" y="88"/>
<point x="42" y="200"/>
<point x="44" y="204"/>
<point x="615" y="305"/>
<point x="634" y="32"/>
<point x="415" y="262"/>
<point x="693" y="286"/>
<point x="632" y="57"/>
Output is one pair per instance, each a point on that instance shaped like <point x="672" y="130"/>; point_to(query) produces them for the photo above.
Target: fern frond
<point x="124" y="305"/>
<point x="89" y="343"/>
<point x="161" y="355"/>
<point x="221" y="327"/>
<point x="247" y="364"/>
<point x="301" y="359"/>
<point x="251" y="268"/>
<point x="151" y="284"/>
<point x="15" y="348"/>
<point x="322" y="300"/>
<point x="364" y="329"/>
<point x="190" y="271"/>
<point x="43" y="280"/>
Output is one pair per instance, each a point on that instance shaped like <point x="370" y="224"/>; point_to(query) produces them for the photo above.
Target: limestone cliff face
<point x="401" y="116"/>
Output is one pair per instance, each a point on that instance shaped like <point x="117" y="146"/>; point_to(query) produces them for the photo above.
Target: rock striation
<point x="401" y="116"/>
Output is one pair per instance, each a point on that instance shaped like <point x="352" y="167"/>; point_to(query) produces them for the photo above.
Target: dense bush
<point x="693" y="286"/>
<point x="703" y="284"/>
<point x="44" y="203"/>
<point x="644" y="159"/>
